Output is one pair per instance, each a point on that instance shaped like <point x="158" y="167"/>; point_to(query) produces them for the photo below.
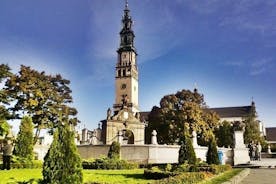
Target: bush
<point x="217" y="169"/>
<point x="114" y="150"/>
<point x="19" y="162"/>
<point x="188" y="177"/>
<point x="108" y="163"/>
<point x="212" y="153"/>
<point x="62" y="163"/>
<point x="186" y="151"/>
<point x="157" y="174"/>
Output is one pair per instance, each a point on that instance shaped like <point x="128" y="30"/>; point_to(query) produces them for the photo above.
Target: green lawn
<point x="103" y="176"/>
<point x="222" y="177"/>
<point x="100" y="176"/>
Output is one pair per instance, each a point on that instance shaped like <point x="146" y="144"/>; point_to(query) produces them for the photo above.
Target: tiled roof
<point x="227" y="112"/>
<point x="271" y="134"/>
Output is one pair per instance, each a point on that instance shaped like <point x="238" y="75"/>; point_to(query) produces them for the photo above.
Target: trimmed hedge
<point x="108" y="163"/>
<point x="215" y="169"/>
<point x="22" y="163"/>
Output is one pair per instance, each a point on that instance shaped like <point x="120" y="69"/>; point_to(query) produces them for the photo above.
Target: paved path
<point x="260" y="176"/>
<point x="265" y="163"/>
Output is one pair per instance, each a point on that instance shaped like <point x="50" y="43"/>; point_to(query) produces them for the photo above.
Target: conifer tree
<point x="186" y="151"/>
<point x="114" y="150"/>
<point x="24" y="141"/>
<point x="212" y="153"/>
<point x="62" y="163"/>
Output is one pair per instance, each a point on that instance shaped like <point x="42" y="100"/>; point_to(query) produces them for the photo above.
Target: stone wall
<point x="145" y="154"/>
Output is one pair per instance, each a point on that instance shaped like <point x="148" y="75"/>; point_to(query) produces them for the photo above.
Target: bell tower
<point x="126" y="77"/>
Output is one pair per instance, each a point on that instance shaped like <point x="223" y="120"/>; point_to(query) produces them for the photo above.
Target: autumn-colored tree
<point x="40" y="96"/>
<point x="180" y="109"/>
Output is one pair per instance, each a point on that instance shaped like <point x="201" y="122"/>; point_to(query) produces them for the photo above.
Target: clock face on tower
<point x="123" y="86"/>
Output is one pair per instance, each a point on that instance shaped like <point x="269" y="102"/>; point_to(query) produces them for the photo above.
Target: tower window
<point x="119" y="73"/>
<point x="124" y="73"/>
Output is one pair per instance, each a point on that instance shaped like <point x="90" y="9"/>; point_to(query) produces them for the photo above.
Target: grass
<point x="101" y="176"/>
<point x="222" y="177"/>
<point x="98" y="176"/>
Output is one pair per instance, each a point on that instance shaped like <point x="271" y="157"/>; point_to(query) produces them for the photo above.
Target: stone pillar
<point x="241" y="153"/>
<point x="94" y="140"/>
<point x="154" y="137"/>
<point x="194" y="139"/>
<point x="120" y="137"/>
<point x="84" y="136"/>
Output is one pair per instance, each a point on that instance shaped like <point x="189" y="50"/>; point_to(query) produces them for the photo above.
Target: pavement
<point x="260" y="176"/>
<point x="265" y="163"/>
<point x="263" y="173"/>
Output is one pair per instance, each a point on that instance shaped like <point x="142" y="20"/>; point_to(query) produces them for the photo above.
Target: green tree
<point x="62" y="163"/>
<point x="186" y="151"/>
<point x="176" y="110"/>
<point x="114" y="150"/>
<point x="252" y="128"/>
<point x="4" y="114"/>
<point x="224" y="134"/>
<point x="24" y="142"/>
<point x="40" y="96"/>
<point x="212" y="153"/>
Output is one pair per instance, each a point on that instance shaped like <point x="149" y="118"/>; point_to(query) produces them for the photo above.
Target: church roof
<point x="223" y="112"/>
<point x="227" y="112"/>
<point x="271" y="134"/>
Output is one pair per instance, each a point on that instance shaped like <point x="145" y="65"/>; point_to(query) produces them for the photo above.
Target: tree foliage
<point x="114" y="150"/>
<point x="40" y="96"/>
<point x="180" y="111"/>
<point x="252" y="128"/>
<point x="4" y="114"/>
<point x="24" y="141"/>
<point x="224" y="134"/>
<point x="212" y="153"/>
<point x="62" y="163"/>
<point x="186" y="151"/>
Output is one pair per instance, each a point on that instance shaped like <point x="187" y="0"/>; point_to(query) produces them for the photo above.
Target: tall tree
<point x="177" y="110"/>
<point x="252" y="128"/>
<point x="40" y="96"/>
<point x="24" y="142"/>
<point x="224" y="134"/>
<point x="62" y="163"/>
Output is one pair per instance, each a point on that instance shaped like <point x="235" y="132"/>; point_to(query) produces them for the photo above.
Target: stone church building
<point x="125" y="123"/>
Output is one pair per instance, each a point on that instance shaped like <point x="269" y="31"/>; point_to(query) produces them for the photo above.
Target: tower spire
<point x="126" y="5"/>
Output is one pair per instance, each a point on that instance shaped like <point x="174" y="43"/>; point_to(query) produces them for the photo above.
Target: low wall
<point x="227" y="158"/>
<point x="144" y="154"/>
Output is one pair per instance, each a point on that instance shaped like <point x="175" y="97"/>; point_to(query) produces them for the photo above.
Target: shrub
<point x="108" y="163"/>
<point x="217" y="169"/>
<point x="62" y="163"/>
<point x="185" y="178"/>
<point x="212" y="153"/>
<point x="157" y="174"/>
<point x="19" y="162"/>
<point x="186" y="151"/>
<point x="24" y="142"/>
<point x="114" y="150"/>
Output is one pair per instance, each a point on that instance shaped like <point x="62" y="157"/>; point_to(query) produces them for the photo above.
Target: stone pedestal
<point x="241" y="154"/>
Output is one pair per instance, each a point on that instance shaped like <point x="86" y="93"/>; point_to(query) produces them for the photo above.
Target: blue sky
<point x="226" y="47"/>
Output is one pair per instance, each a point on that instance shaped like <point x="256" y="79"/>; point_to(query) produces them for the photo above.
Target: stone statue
<point x="124" y="100"/>
<point x="109" y="112"/>
<point x="154" y="137"/>
<point x="137" y="115"/>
